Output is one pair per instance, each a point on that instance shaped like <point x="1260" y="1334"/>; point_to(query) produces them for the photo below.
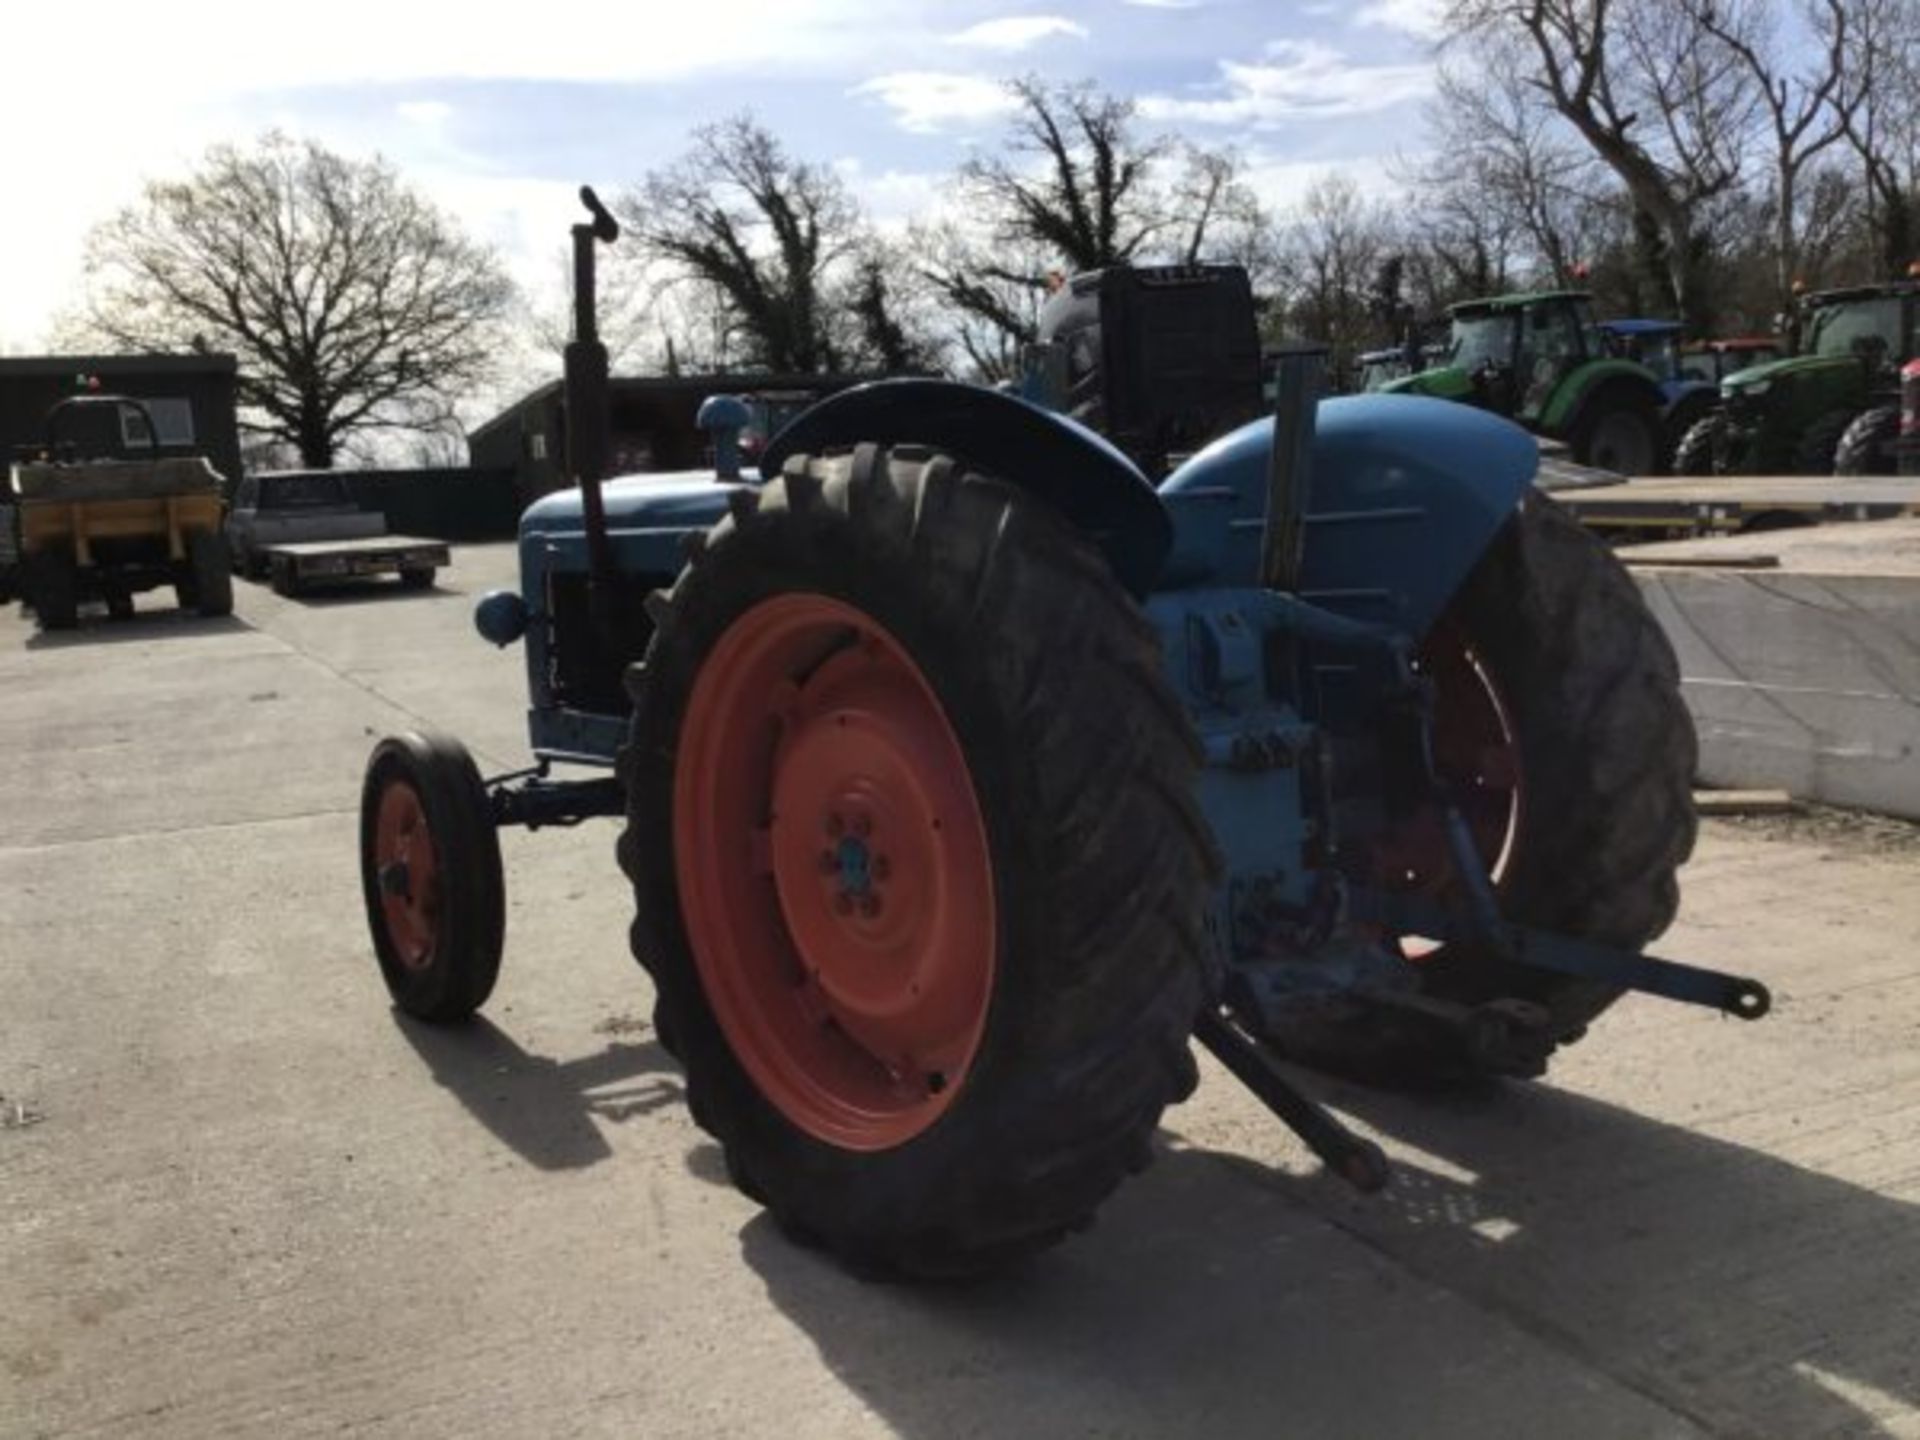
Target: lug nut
<point x="843" y="903"/>
<point x="862" y="827"/>
<point x="870" y="906"/>
<point x="829" y="862"/>
<point x="836" y="827"/>
<point x="880" y="868"/>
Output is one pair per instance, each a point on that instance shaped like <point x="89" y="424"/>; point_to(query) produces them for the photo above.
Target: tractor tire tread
<point x="1103" y="863"/>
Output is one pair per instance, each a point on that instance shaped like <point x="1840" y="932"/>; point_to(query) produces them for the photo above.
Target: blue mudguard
<point x="1070" y="467"/>
<point x="1407" y="494"/>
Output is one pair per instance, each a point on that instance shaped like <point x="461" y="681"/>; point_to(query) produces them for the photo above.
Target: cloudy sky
<point x="500" y="111"/>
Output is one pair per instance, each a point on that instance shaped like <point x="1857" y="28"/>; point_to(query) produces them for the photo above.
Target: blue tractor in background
<point x="1688" y="396"/>
<point x="970" y="768"/>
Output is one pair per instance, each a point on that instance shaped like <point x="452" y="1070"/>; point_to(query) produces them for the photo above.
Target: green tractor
<point x="1539" y="359"/>
<point x="1833" y="407"/>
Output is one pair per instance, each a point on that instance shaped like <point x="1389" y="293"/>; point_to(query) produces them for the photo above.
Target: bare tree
<point x="1331" y="258"/>
<point x="352" y="304"/>
<point x="1505" y="165"/>
<point x="1807" y="108"/>
<point x="888" y="304"/>
<point x="1883" y="128"/>
<point x="1642" y="84"/>
<point x="991" y="294"/>
<point x="770" y="234"/>
<point x="1214" y="215"/>
<point x="1073" y="178"/>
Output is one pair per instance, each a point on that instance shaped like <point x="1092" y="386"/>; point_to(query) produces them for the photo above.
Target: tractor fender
<point x="1599" y="384"/>
<point x="1098" y="489"/>
<point x="1406" y="495"/>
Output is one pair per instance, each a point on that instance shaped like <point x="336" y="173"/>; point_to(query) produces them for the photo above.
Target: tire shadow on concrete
<point x="142" y="626"/>
<point x="1199" y="1305"/>
<point x="1562" y="1267"/>
<point x="1735" y="1286"/>
<point x="547" y="1111"/>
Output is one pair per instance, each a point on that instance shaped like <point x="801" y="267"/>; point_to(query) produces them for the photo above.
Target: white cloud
<point x="1165" y="4"/>
<point x="1016" y="32"/>
<point x="1419" y="18"/>
<point x="1301" y="80"/>
<point x="929" y="100"/>
<point x="427" y="114"/>
<point x="1282" y="183"/>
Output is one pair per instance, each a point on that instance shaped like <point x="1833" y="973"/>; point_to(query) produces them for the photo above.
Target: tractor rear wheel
<point x="1867" y="446"/>
<point x="430" y="875"/>
<point x="1618" y="431"/>
<point x="1560" y="728"/>
<point x="920" y="877"/>
<point x="212" y="575"/>
<point x="51" y="582"/>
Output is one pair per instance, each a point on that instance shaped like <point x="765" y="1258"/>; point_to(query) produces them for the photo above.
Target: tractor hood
<point x="1758" y="377"/>
<point x="673" y="502"/>
<point x="1444" y="382"/>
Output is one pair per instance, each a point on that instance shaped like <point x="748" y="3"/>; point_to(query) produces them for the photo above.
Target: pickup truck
<point x="301" y="528"/>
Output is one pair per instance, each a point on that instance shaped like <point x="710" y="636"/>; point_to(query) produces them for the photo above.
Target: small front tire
<point x="1867" y="446"/>
<point x="431" y="877"/>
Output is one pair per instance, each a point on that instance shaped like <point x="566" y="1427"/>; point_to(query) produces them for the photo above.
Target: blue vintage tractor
<point x="968" y="775"/>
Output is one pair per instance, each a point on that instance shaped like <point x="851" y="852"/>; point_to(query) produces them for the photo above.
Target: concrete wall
<point x="1808" y="683"/>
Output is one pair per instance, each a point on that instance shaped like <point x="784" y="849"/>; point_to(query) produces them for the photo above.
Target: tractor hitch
<point x="1354" y="1158"/>
<point x="1735" y="995"/>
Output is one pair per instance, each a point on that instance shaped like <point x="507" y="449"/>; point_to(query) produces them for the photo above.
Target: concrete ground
<point x="239" y="1197"/>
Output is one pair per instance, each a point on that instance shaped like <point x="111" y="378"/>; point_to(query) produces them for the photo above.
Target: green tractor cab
<point x="1834" y="406"/>
<point x="1540" y="359"/>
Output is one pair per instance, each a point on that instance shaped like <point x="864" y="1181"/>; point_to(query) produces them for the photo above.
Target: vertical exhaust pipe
<point x="1298" y="379"/>
<point x="589" y="408"/>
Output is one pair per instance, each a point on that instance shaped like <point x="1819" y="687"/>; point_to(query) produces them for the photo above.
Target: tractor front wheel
<point x="430" y="875"/>
<point x="1866" y="447"/>
<point x="1697" y="452"/>
<point x="920" y="877"/>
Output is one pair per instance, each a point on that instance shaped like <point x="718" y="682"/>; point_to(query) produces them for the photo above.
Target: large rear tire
<point x="51" y="580"/>
<point x="1599" y="762"/>
<point x="1051" y="873"/>
<point x="1619" y="430"/>
<point x="212" y="576"/>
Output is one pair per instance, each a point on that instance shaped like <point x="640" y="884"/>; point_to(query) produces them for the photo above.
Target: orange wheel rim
<point x="834" y="874"/>
<point x="1476" y="751"/>
<point x="408" y="869"/>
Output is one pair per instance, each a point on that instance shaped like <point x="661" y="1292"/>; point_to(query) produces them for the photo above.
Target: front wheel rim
<point x="834" y="874"/>
<point x="407" y="870"/>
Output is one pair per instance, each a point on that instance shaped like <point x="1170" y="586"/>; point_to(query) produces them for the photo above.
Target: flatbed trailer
<point x="298" y="565"/>
<point x="1689" y="507"/>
